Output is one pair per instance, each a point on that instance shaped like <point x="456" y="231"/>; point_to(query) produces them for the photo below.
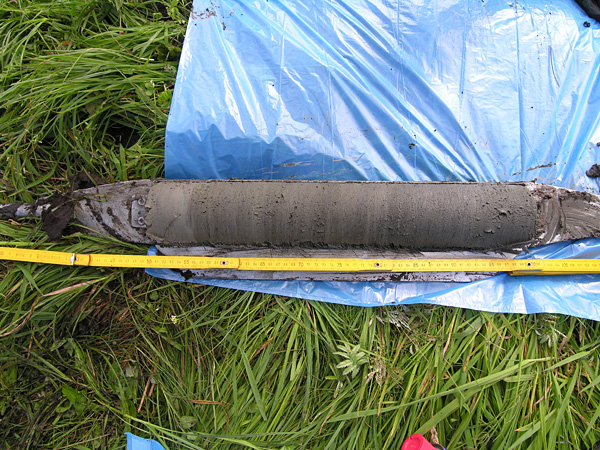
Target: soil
<point x="314" y="214"/>
<point x="565" y="214"/>
<point x="82" y="180"/>
<point x="9" y="211"/>
<point x="58" y="215"/>
<point x="123" y="135"/>
<point x="593" y="172"/>
<point x="236" y="214"/>
<point x="592" y="8"/>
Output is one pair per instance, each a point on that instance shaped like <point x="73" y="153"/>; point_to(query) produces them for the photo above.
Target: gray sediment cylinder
<point x="313" y="214"/>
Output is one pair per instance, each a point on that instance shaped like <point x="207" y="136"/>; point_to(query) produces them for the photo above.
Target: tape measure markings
<point x="156" y="262"/>
<point x="513" y="266"/>
<point x="317" y="264"/>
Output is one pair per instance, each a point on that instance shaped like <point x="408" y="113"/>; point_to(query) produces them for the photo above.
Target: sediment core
<point x="338" y="214"/>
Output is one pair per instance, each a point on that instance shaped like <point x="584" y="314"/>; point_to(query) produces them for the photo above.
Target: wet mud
<point x="57" y="216"/>
<point x="236" y="215"/>
<point x="313" y="214"/>
<point x="593" y="172"/>
<point x="10" y="211"/>
<point x="59" y="208"/>
<point x="565" y="214"/>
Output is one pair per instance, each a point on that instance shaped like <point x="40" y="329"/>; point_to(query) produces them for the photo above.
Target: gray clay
<point x="313" y="214"/>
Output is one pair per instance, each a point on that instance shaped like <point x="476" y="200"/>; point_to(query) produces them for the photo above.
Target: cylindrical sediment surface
<point x="314" y="214"/>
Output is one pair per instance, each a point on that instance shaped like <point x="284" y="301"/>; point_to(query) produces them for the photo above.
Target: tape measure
<point x="513" y="266"/>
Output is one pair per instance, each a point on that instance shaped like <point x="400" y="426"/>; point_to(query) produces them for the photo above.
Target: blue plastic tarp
<point x="451" y="90"/>
<point x="137" y="443"/>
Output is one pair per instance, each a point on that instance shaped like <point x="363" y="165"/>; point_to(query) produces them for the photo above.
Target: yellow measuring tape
<point x="513" y="266"/>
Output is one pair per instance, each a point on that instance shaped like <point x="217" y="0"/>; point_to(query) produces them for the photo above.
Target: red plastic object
<point x="417" y="442"/>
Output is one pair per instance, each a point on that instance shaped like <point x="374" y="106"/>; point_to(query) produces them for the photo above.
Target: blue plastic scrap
<point x="137" y="443"/>
<point x="452" y="90"/>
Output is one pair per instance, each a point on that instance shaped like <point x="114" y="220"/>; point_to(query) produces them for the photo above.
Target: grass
<point x="88" y="353"/>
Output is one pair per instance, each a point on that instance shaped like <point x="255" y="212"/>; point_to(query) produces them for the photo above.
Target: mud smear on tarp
<point x="594" y="171"/>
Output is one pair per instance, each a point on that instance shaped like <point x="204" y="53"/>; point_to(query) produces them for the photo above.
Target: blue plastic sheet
<point x="451" y="90"/>
<point x="137" y="443"/>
